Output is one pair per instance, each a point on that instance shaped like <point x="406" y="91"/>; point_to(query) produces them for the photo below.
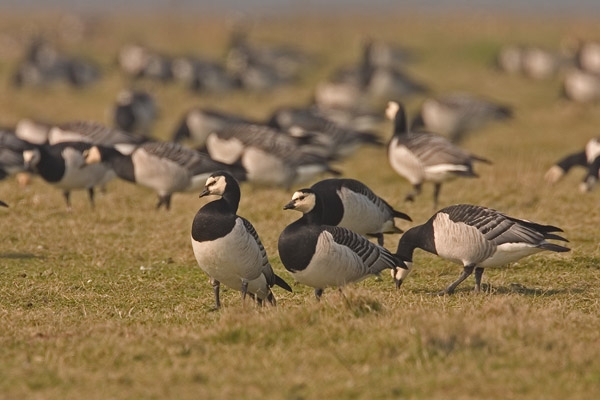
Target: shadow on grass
<point x="19" y="256"/>
<point x="513" y="288"/>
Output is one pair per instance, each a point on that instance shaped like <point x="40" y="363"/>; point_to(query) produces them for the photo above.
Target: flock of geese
<point x="328" y="245"/>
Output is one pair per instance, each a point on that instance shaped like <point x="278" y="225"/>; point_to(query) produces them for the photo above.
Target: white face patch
<point x="31" y="157"/>
<point x="391" y="110"/>
<point x="216" y="185"/>
<point x="303" y="202"/>
<point x="400" y="274"/>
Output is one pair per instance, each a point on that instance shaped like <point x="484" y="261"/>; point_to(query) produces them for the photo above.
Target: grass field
<point x="110" y="304"/>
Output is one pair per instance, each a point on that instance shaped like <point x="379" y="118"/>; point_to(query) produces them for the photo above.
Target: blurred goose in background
<point x="587" y="158"/>
<point x="282" y="61"/>
<point x="420" y="157"/>
<point x="587" y="57"/>
<point x="33" y="131"/>
<point x="478" y="238"/>
<point x="533" y="62"/>
<point x="351" y="204"/>
<point x="44" y="65"/>
<point x="581" y="86"/>
<point x="134" y="111"/>
<point x="386" y="55"/>
<point x="81" y="131"/>
<point x="269" y="156"/>
<point x="11" y="153"/>
<point x="63" y="165"/>
<point x="455" y="114"/>
<point x="138" y="61"/>
<point x="337" y="140"/>
<point x="202" y="75"/>
<point x="322" y="256"/>
<point x="165" y="167"/>
<point x="228" y="248"/>
<point x="196" y="124"/>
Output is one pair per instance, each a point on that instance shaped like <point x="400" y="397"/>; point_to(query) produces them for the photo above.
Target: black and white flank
<point x="353" y="205"/>
<point x="322" y="256"/>
<point x="478" y="238"/>
<point x="425" y="157"/>
<point x="227" y="246"/>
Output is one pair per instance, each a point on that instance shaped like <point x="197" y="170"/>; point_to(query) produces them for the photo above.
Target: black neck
<point x="417" y="237"/>
<point x="400" y="123"/>
<point x="119" y="162"/>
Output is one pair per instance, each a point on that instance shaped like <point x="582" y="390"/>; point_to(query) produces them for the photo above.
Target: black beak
<point x="290" y="206"/>
<point x="205" y="192"/>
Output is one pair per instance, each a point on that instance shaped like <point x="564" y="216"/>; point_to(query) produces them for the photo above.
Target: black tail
<point x="554" y="247"/>
<point x="281" y="283"/>
<point x="401" y="215"/>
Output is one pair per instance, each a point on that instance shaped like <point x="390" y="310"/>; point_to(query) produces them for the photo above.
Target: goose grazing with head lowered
<point x="227" y="246"/>
<point x="588" y="158"/>
<point x="165" y="167"/>
<point x="478" y="238"/>
<point x="351" y="204"/>
<point x="322" y="256"/>
<point x="420" y="156"/>
<point x="270" y="156"/>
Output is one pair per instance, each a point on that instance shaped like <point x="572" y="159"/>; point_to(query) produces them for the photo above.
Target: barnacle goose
<point x="197" y="123"/>
<point x="581" y="86"/>
<point x="269" y="156"/>
<point x="456" y="114"/>
<point x="338" y="141"/>
<point x="478" y="238"/>
<point x="351" y="204"/>
<point x="63" y="165"/>
<point x="227" y="246"/>
<point x="587" y="158"/>
<point x="422" y="156"/>
<point x="134" y="111"/>
<point x="165" y="167"/>
<point x="322" y="256"/>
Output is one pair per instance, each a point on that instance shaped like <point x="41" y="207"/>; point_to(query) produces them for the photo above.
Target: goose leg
<point x="436" y="194"/>
<point x="216" y="286"/>
<point x="467" y="270"/>
<point x="379" y="237"/>
<point x="416" y="191"/>
<point x="67" y="196"/>
<point x="91" y="196"/>
<point x="478" y="275"/>
<point x="318" y="294"/>
<point x="244" y="290"/>
<point x="164" y="200"/>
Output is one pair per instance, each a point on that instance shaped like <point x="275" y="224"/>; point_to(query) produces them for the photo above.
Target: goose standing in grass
<point x="478" y="238"/>
<point x="420" y="157"/>
<point x="63" y="165"/>
<point x="581" y="86"/>
<point x="455" y="114"/>
<point x="322" y="256"/>
<point x="269" y="156"/>
<point x="227" y="247"/>
<point x="351" y="204"/>
<point x="587" y="158"/>
<point x="165" y="167"/>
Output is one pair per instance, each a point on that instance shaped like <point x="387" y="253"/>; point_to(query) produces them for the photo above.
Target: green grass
<point x="110" y="303"/>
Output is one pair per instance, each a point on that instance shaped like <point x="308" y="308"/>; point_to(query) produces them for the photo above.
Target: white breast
<point x="232" y="258"/>
<point x="225" y="151"/>
<point x="405" y="163"/>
